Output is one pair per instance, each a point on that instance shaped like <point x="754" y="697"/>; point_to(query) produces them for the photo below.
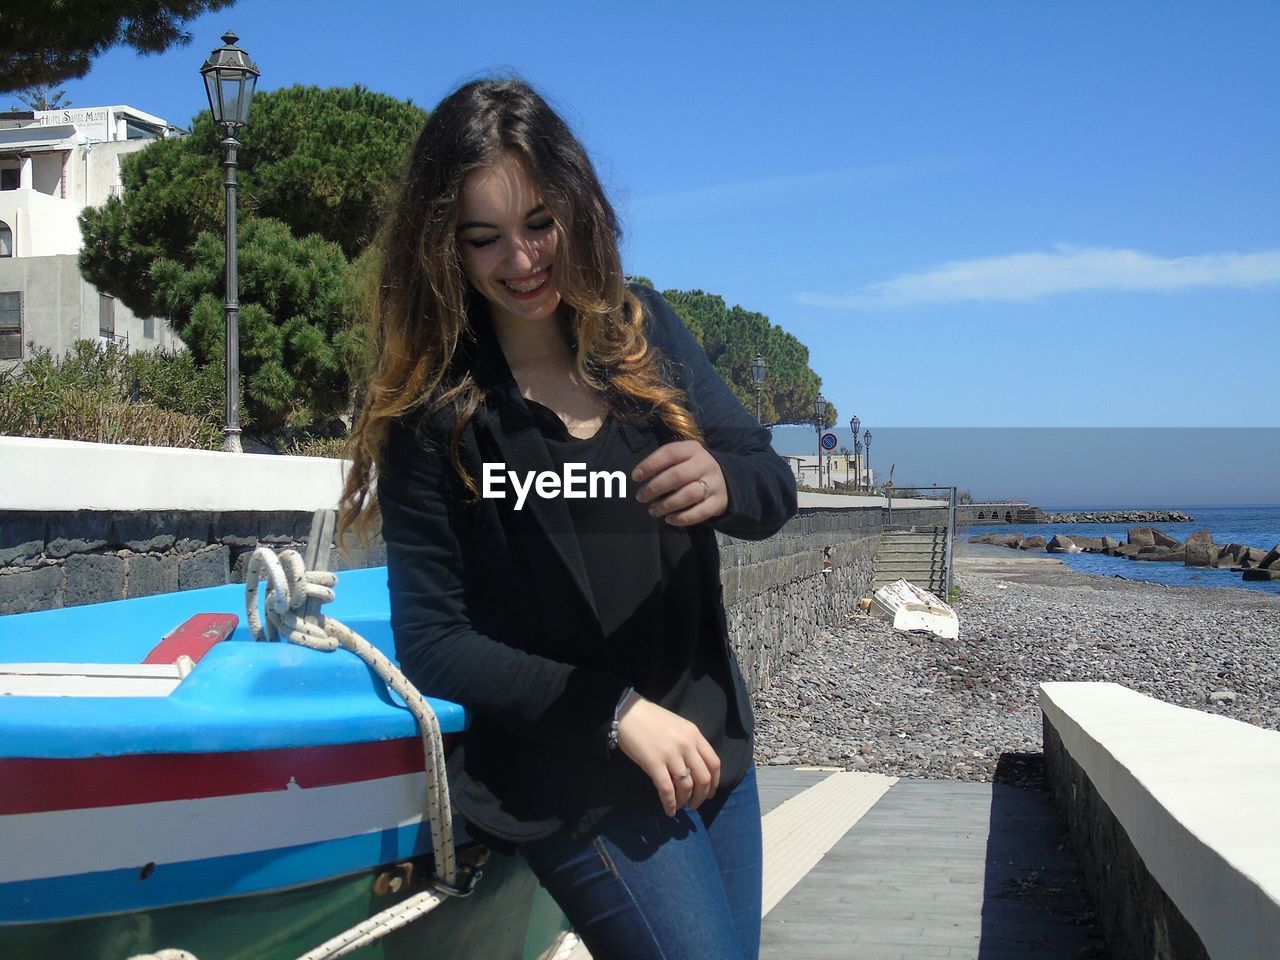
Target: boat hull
<point x="508" y="917"/>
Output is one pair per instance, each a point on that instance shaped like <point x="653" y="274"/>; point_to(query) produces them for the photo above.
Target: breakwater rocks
<point x="1121" y="516"/>
<point x="1148" y="544"/>
<point x="866" y="697"/>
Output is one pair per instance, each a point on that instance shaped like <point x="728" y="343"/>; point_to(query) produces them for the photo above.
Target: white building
<point x="53" y="164"/>
<point x="834" y="471"/>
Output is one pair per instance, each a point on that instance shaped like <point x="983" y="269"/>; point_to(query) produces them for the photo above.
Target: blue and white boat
<point x="166" y="781"/>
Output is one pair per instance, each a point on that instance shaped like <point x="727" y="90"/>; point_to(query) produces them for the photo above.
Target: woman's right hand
<point x="671" y="751"/>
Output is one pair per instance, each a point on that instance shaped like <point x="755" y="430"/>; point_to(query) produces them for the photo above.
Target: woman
<point x="553" y="452"/>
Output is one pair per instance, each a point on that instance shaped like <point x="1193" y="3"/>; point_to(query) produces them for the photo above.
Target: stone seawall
<point x="51" y="559"/>
<point x="778" y="593"/>
<point x="1136" y="915"/>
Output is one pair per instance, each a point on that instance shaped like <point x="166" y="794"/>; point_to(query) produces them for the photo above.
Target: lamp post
<point x="866" y="439"/>
<point x="854" y="423"/>
<point x="819" y="414"/>
<point x="759" y="369"/>
<point x="229" y="79"/>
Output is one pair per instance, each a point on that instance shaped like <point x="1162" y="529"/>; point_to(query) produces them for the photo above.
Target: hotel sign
<point x="92" y="124"/>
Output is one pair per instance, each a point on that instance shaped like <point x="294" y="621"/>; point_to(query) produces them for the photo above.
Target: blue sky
<point x="975" y="215"/>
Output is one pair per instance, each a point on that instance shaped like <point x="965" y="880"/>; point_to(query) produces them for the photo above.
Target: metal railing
<point x="951" y="525"/>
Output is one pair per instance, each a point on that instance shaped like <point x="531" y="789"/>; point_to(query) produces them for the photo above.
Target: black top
<point x="492" y="607"/>
<point x="655" y="601"/>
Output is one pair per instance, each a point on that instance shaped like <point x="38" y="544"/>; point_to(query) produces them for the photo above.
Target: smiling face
<point x="508" y="240"/>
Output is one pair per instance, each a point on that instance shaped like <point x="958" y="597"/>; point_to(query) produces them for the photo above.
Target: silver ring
<point x="684" y="776"/>
<point x="706" y="489"/>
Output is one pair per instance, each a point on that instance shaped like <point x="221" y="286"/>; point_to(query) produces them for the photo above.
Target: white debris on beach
<point x="866" y="697"/>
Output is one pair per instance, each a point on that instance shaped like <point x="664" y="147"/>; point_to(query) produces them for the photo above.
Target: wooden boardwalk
<point x="935" y="869"/>
<point x="864" y="867"/>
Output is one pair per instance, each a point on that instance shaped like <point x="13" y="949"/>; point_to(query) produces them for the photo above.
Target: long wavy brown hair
<point x="422" y="308"/>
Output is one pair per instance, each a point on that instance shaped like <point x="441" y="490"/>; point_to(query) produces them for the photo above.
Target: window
<point x="6" y="240"/>
<point x="10" y="177"/>
<point x="106" y="315"/>
<point x="10" y="326"/>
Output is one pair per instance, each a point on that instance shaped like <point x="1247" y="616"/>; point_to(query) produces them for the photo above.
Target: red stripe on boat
<point x="37" y="785"/>
<point x="193" y="638"/>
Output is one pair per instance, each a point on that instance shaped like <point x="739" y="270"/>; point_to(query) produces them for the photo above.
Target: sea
<point x="1254" y="526"/>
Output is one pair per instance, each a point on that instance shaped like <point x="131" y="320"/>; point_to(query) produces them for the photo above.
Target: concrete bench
<point x="1175" y="815"/>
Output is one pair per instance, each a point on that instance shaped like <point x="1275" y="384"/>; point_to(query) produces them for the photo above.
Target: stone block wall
<point x="780" y="592"/>
<point x="54" y="559"/>
<point x="908" y="516"/>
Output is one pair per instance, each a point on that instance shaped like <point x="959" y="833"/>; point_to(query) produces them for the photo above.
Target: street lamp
<point x="854" y="423"/>
<point x="866" y="439"/>
<point x="229" y="79"/>
<point x="819" y="415"/>
<point x="758" y="371"/>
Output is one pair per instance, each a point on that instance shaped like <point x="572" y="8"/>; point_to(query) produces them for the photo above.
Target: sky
<point x="977" y="215"/>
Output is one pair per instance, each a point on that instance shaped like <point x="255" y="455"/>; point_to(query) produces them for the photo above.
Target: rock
<point x="92" y="532"/>
<point x="1200" y="536"/>
<point x="1257" y="573"/>
<point x="1162" y="554"/>
<point x="143" y="531"/>
<point x="39" y="589"/>
<point x="1142" y="536"/>
<point x="1222" y="696"/>
<point x="21" y="538"/>
<point x="93" y="579"/>
<point x="1062" y="544"/>
<point x="147" y="575"/>
<point x="1228" y="555"/>
<point x="1272" y="560"/>
<point x="1088" y="544"/>
<point x="1033" y="543"/>
<point x="1129" y="550"/>
<point x="207" y="567"/>
<point x="1111" y="546"/>
<point x="1163" y="539"/>
<point x="1201" y="553"/>
<point x="1251" y="557"/>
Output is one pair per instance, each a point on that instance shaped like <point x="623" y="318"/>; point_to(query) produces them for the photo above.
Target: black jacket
<point x="492" y="608"/>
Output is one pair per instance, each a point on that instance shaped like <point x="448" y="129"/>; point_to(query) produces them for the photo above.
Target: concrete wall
<point x="1174" y="816"/>
<point x="59" y="307"/>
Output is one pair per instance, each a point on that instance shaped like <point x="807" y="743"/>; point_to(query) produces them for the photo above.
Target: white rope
<point x="376" y="927"/>
<point x="289" y="587"/>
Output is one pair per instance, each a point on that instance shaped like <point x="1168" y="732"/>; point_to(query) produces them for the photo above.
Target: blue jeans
<point x="645" y="886"/>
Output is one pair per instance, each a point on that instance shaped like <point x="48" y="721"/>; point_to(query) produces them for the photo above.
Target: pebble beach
<point x="865" y="697"/>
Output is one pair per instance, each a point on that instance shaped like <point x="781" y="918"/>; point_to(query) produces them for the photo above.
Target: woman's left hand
<point x="682" y="483"/>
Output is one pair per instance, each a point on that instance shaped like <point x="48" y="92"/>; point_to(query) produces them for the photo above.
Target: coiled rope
<point x="294" y="595"/>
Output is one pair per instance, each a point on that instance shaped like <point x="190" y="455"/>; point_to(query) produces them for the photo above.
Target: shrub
<point x="334" y="447"/>
<point x="108" y="396"/>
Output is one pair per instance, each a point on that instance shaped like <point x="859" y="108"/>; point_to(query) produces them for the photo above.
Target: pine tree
<point x="44" y="42"/>
<point x="315" y="167"/>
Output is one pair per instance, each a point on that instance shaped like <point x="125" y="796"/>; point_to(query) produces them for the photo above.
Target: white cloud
<point x="1031" y="276"/>
<point x="785" y="188"/>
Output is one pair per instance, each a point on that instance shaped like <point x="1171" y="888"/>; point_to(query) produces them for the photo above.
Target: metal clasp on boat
<point x="469" y="874"/>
